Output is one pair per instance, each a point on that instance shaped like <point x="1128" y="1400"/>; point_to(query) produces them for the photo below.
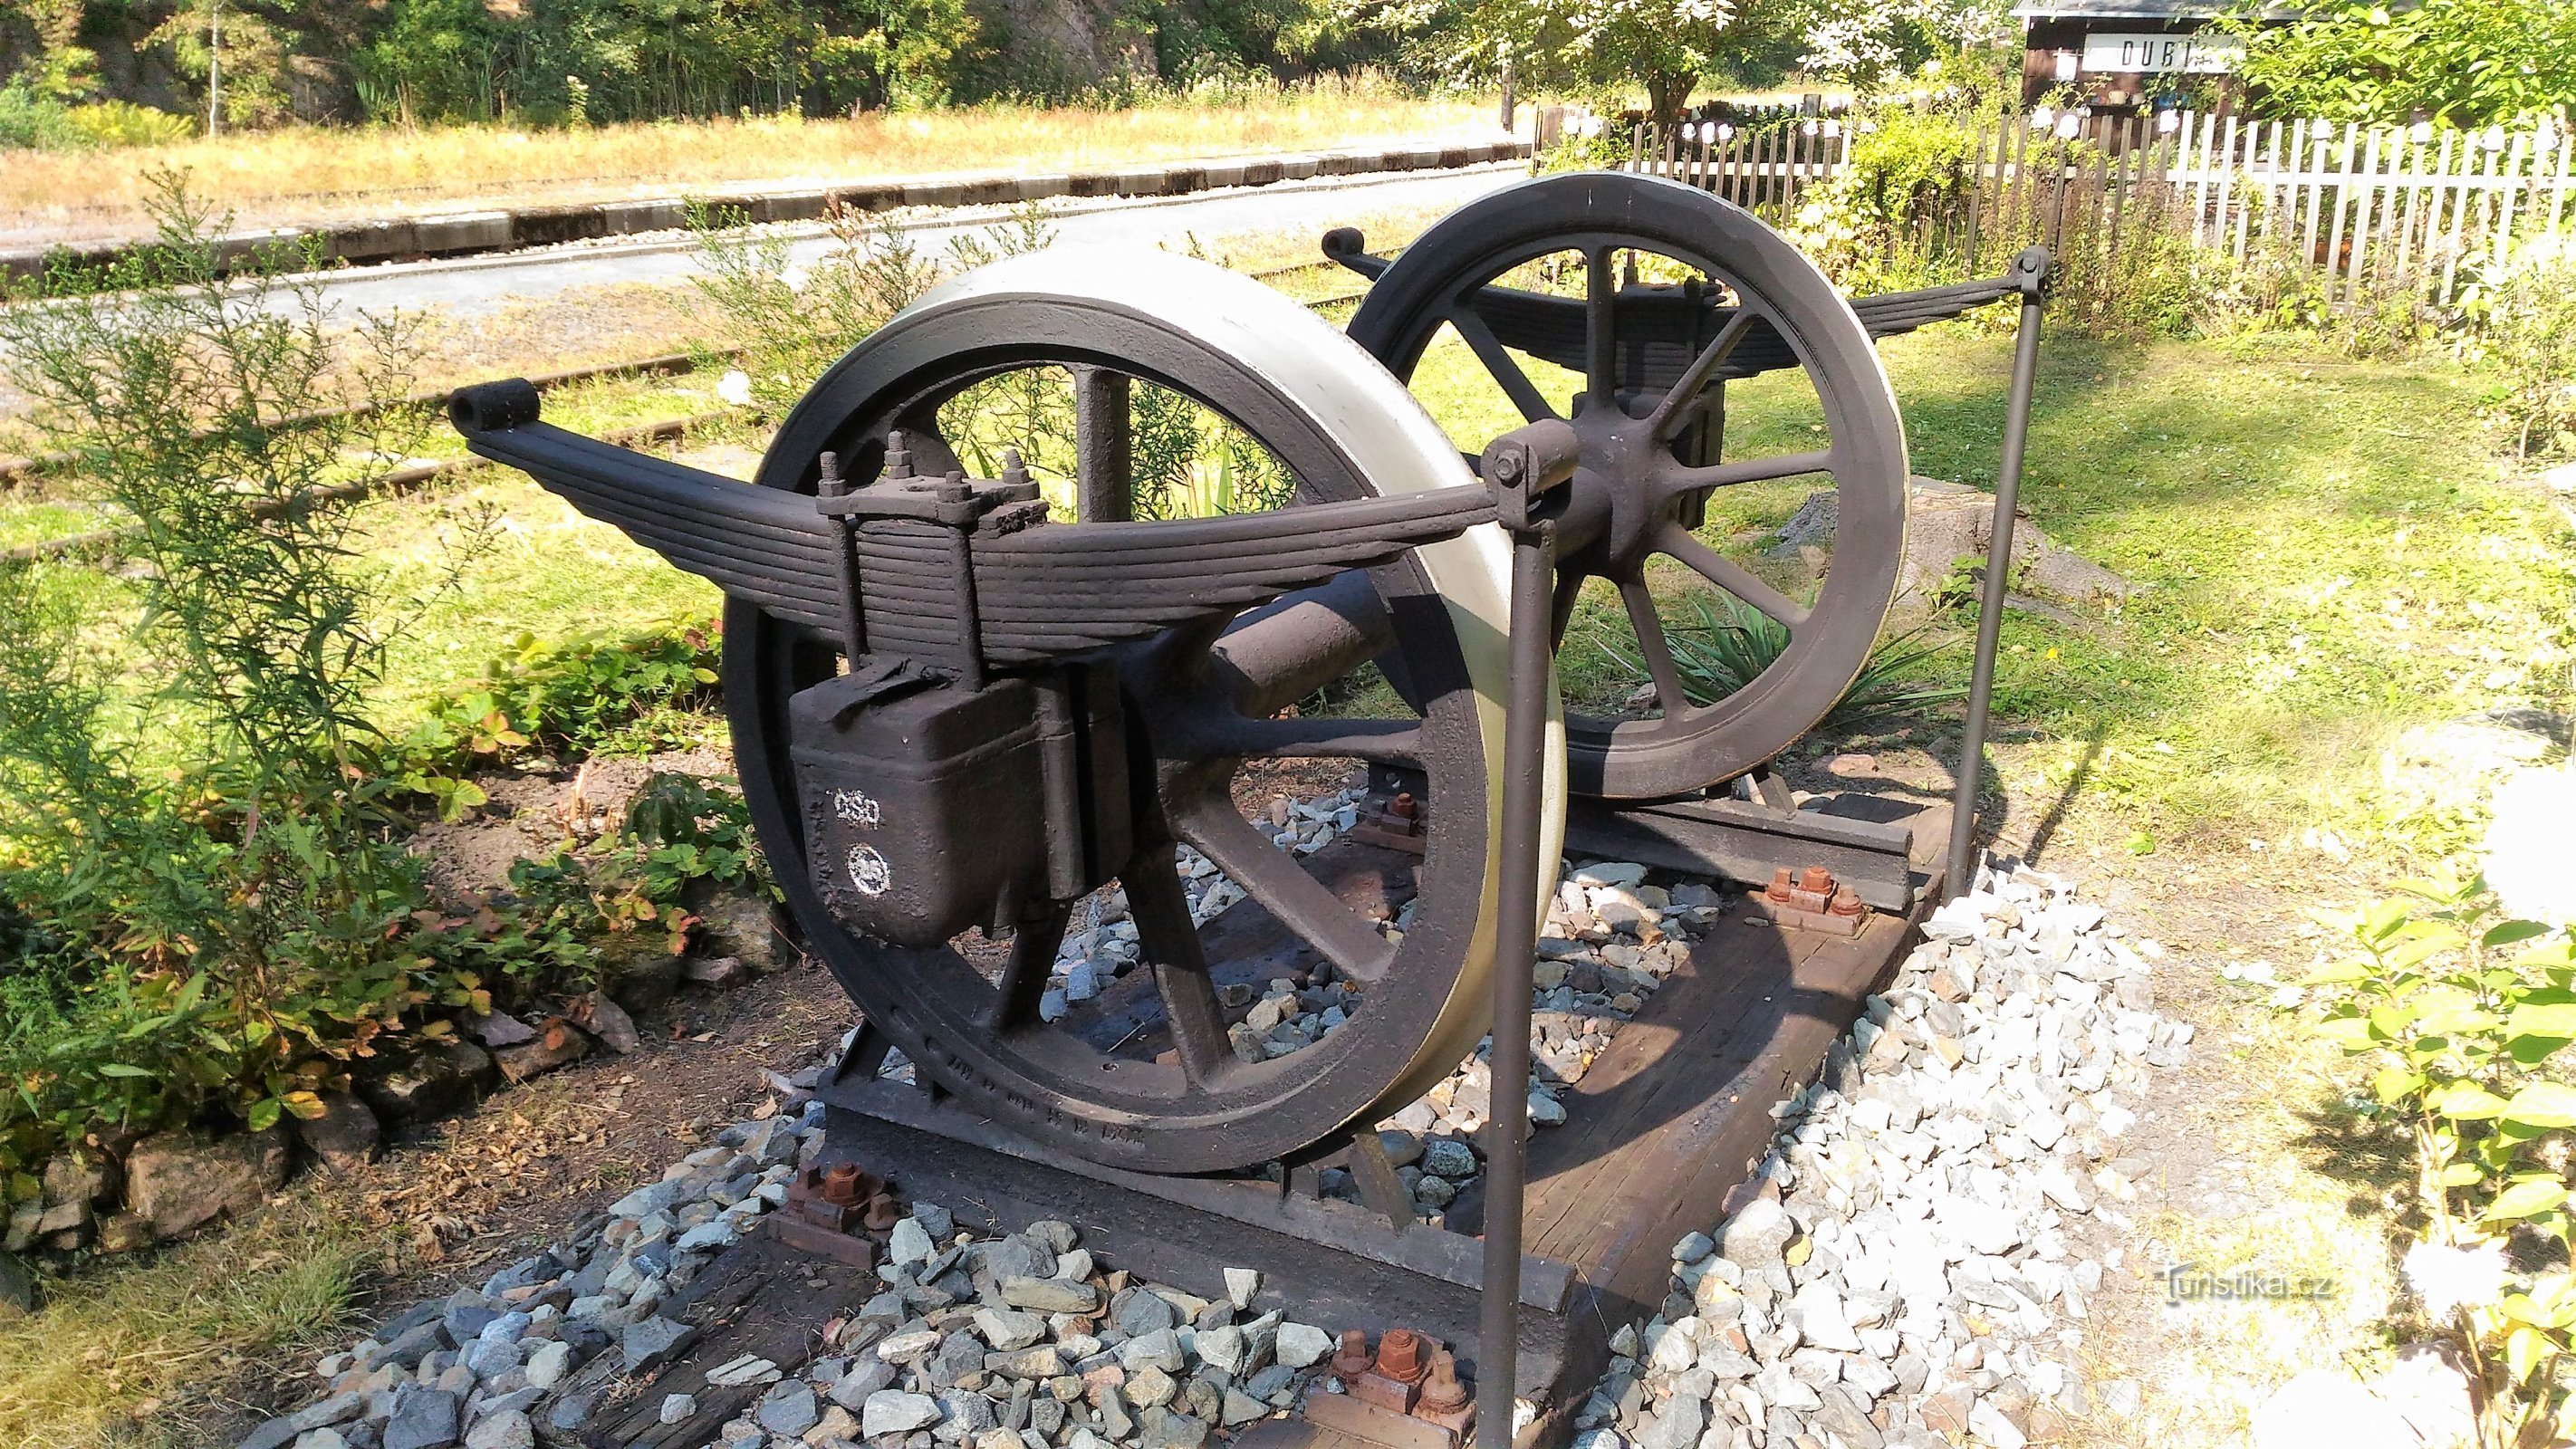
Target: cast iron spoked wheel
<point x="1346" y="430"/>
<point x="1646" y="355"/>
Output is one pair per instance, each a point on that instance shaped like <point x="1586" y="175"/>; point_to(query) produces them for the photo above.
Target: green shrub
<point x="1721" y="644"/>
<point x="2523" y="318"/>
<point x="792" y="322"/>
<point x="123" y="123"/>
<point x="207" y="908"/>
<point x="30" y="121"/>
<point x="577" y="696"/>
<point x="2465" y="1021"/>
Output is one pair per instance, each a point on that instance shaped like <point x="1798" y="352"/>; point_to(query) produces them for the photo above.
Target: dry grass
<point x="136" y="1357"/>
<point x="310" y="174"/>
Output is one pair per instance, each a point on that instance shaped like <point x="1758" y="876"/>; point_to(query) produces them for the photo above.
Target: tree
<point x="1868" y="43"/>
<point x="2459" y="62"/>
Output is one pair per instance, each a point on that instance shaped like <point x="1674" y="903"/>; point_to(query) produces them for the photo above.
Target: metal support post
<point x="2034" y="270"/>
<point x="1515" y="949"/>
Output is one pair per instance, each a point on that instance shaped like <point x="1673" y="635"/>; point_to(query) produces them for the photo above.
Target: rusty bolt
<point x="1402" y="806"/>
<point x="1816" y="878"/>
<point x="1352" y="1359"/>
<point x="1443" y="1393"/>
<point x="882" y="1214"/>
<point x="1778" y="892"/>
<point x="1846" y="903"/>
<point x="1399" y="1355"/>
<point x="840" y="1185"/>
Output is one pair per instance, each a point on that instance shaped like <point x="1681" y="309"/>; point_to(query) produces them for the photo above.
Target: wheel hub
<point x="1620" y="501"/>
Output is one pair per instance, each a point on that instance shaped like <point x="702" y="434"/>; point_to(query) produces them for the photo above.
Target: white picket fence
<point x="2367" y="207"/>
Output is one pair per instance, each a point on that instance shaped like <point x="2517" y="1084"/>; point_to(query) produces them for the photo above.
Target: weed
<point x="1722" y="644"/>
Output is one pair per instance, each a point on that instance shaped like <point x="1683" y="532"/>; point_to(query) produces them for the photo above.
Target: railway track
<point x="102" y="542"/>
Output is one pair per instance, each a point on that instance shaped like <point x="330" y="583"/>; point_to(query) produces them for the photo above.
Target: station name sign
<point x="2131" y="54"/>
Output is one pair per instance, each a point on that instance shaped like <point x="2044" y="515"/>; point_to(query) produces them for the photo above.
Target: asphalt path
<point x="472" y="286"/>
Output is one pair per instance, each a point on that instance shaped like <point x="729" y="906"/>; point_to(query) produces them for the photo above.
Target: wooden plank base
<point x="1663" y="1130"/>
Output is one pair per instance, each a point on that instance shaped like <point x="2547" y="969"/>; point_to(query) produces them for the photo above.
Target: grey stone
<point x="1754" y="1237"/>
<point x="491" y="1358"/>
<point x="345" y="1138"/>
<point x="649" y="1343"/>
<point x="789" y="1409"/>
<point x="508" y="1429"/>
<point x="1241" y="1408"/>
<point x="467" y="1316"/>
<point x="865" y="1378"/>
<point x="1018" y="1257"/>
<point x="548" y="1363"/>
<point x="1177" y="1431"/>
<point x="1009" y="1330"/>
<point x="1677" y="1427"/>
<point x="1302" y="1345"/>
<point x="909" y="1243"/>
<point x="1041" y="1362"/>
<point x="1160" y="1349"/>
<point x="1447" y="1157"/>
<point x="609" y="1022"/>
<point x="179" y="1183"/>
<point x="676" y="1407"/>
<point x="1137" y="1312"/>
<point x="1049" y="1295"/>
<point x="891" y="1411"/>
<point x="17" y="1287"/>
<point x="423" y="1419"/>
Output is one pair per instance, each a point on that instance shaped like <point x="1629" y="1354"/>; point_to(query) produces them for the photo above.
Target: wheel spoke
<point x="1503" y="367"/>
<point x="1560" y="608"/>
<point x="1673" y="414"/>
<point x="1378" y="741"/>
<point x="1751" y="470"/>
<point x="1724" y="572"/>
<point x="1024" y="977"/>
<point x="1169" y="942"/>
<point x="1273" y="877"/>
<point x="1600" y="336"/>
<point x="1655" y="649"/>
<point x="1103" y="446"/>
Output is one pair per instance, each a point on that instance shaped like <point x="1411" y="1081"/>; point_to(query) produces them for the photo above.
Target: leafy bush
<point x="31" y="120"/>
<point x="791" y="322"/>
<point x="123" y="123"/>
<point x="573" y="696"/>
<point x="2524" y="321"/>
<point x="206" y="905"/>
<point x="2461" y="62"/>
<point x="2465" y="1021"/>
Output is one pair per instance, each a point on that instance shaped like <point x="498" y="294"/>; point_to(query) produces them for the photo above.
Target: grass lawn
<point x="304" y="174"/>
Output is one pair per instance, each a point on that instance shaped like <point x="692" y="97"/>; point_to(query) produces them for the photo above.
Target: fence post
<point x="2508" y="198"/>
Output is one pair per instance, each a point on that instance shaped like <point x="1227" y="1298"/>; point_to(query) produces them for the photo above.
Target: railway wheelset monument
<point x="962" y="719"/>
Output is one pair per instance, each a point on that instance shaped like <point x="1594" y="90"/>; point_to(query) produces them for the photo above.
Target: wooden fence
<point x="2366" y="209"/>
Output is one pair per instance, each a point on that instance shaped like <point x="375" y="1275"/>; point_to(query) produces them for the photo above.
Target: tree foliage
<point x="2459" y="62"/>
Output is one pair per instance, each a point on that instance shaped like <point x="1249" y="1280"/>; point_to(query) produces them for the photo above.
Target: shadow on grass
<point x="2370" y="1156"/>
